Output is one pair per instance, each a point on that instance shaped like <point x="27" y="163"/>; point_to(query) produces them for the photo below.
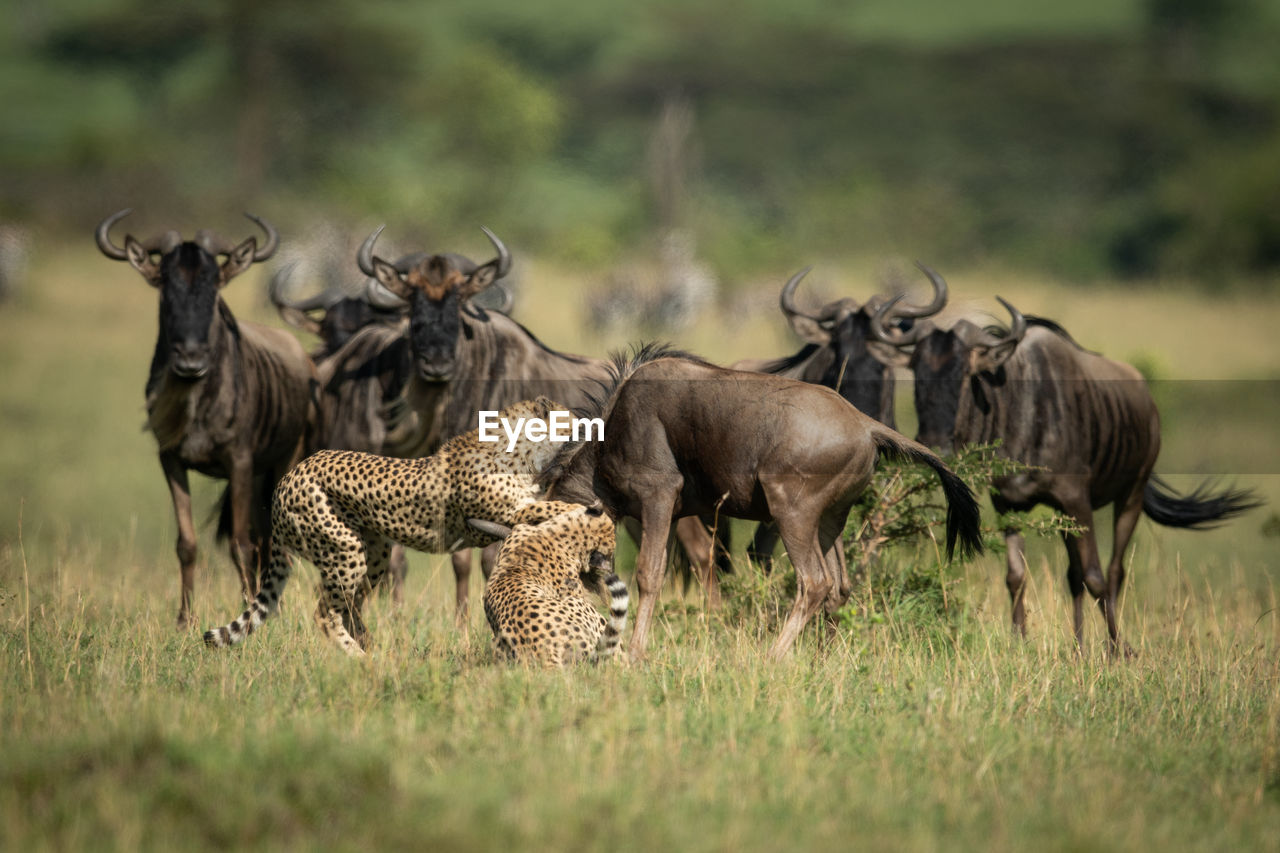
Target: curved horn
<point x="277" y="286"/>
<point x="364" y="257"/>
<point x="1017" y="329"/>
<point x="896" y="338"/>
<point x="504" y="257"/>
<point x="100" y="234"/>
<point x="492" y="528"/>
<point x="163" y="243"/>
<point x="787" y="298"/>
<point x="212" y="242"/>
<point x="939" y="296"/>
<point x="273" y="239"/>
<point x="1018" y="324"/>
<point x="504" y="307"/>
<point x="379" y="297"/>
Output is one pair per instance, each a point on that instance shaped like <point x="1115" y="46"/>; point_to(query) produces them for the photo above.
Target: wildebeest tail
<point x="1199" y="510"/>
<point x="259" y="512"/>
<point x="963" y="515"/>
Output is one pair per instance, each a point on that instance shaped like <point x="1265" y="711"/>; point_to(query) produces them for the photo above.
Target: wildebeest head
<point x="942" y="360"/>
<point x="438" y="290"/>
<point x="331" y="315"/>
<point x="188" y="276"/>
<point x="856" y="369"/>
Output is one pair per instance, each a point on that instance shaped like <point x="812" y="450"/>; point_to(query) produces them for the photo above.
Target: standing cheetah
<point x="536" y="599"/>
<point x="343" y="509"/>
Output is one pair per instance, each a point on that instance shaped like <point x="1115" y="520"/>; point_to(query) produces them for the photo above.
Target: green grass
<point x="900" y="733"/>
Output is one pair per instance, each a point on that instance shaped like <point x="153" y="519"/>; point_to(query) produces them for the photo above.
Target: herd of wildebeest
<point x="789" y="441"/>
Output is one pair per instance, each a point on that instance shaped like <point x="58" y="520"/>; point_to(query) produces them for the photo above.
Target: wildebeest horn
<point x="503" y="261"/>
<point x="896" y="338"/>
<point x="104" y="241"/>
<point x="504" y="307"/>
<point x="1018" y="323"/>
<point x="364" y="257"/>
<point x="1017" y="328"/>
<point x="161" y="243"/>
<point x="787" y="299"/>
<point x="276" y="290"/>
<point x="212" y="242"/>
<point x="215" y="244"/>
<point x="939" y="296"/>
<point x="268" y="248"/>
<point x="493" y="528"/>
<point x="379" y="297"/>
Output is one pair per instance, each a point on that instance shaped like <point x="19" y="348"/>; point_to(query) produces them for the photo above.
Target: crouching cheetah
<point x="342" y="510"/>
<point x="536" y="598"/>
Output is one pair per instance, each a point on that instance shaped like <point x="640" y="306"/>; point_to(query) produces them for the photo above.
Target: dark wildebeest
<point x="229" y="399"/>
<point x="841" y="354"/>
<point x="413" y="388"/>
<point x="331" y="315"/>
<point x="682" y="437"/>
<point x="335" y="316"/>
<point x="1087" y="423"/>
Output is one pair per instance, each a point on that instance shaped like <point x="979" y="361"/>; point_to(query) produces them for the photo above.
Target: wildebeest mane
<point x="622" y="363"/>
<point x="787" y="362"/>
<point x="1045" y="323"/>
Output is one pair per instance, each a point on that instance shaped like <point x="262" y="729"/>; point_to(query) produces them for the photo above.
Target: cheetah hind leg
<point x="342" y="594"/>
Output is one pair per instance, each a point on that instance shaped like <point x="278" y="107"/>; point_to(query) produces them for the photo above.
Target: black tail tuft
<point x="1199" y="510"/>
<point x="963" y="515"/>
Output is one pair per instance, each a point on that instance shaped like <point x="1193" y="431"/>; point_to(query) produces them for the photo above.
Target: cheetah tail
<point x="617" y="622"/>
<point x="273" y="583"/>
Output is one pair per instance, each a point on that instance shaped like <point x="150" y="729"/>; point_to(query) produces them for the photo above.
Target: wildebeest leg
<point x="244" y="553"/>
<point x="377" y="554"/>
<point x="699" y="545"/>
<point x="462" y="584"/>
<point x="1083" y="569"/>
<point x="651" y="562"/>
<point x="489" y="559"/>
<point x="1016" y="578"/>
<point x="837" y="574"/>
<point x="1126" y="517"/>
<point x="180" y="492"/>
<point x="399" y="564"/>
<point x="800" y="536"/>
<point x="696" y="545"/>
<point x="762" y="545"/>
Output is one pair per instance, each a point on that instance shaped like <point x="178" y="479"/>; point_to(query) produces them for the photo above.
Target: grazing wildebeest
<point x="1087" y="423"/>
<point x="842" y="354"/>
<point x="413" y="389"/>
<point x="683" y="437"/>
<point x="226" y="398"/>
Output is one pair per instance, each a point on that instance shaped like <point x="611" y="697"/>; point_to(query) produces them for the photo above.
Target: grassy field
<point x="899" y="732"/>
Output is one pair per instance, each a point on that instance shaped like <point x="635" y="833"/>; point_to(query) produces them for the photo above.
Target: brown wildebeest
<point x="682" y="437"/>
<point x="1087" y="423"/>
<point x="229" y="399"/>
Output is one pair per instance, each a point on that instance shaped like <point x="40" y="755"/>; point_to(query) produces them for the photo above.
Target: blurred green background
<point x="1101" y="138"/>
